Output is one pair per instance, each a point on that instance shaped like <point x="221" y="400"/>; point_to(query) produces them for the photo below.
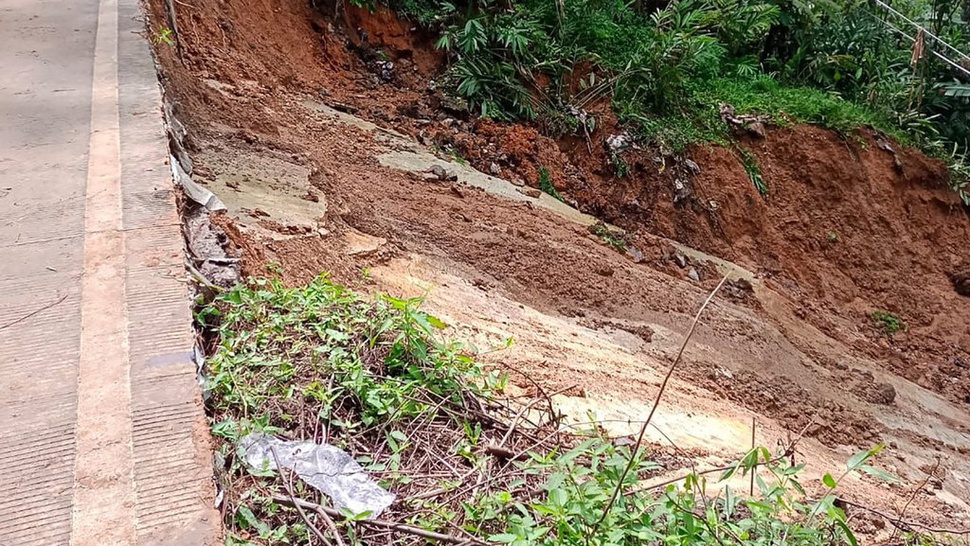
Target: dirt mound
<point x="847" y="228"/>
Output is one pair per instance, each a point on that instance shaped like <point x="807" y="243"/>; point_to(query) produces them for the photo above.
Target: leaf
<point x="829" y="481"/>
<point x="729" y="472"/>
<point x="958" y="91"/>
<point x="858" y="459"/>
<point x="878" y="473"/>
<point x="848" y="533"/>
<point x="555" y="481"/>
<point x="249" y="520"/>
<point x="503" y="538"/>
<point x="558" y="497"/>
<point x="436" y="322"/>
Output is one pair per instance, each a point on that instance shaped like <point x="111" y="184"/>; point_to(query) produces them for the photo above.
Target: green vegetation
<point x="377" y="378"/>
<point x="668" y="67"/>
<point x="546" y="185"/>
<point x="323" y="361"/>
<point x="164" y="36"/>
<point x="751" y="167"/>
<point x="615" y="239"/>
<point x="888" y="322"/>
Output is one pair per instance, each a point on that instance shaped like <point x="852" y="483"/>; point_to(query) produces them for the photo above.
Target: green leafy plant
<point x="888" y="322"/>
<point x="667" y="68"/>
<point x="164" y="36"/>
<point x="750" y="163"/>
<point x="546" y="185"/>
<point x="615" y="239"/>
<point x="376" y="376"/>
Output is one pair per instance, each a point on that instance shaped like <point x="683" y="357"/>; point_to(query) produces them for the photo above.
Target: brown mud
<point x="850" y="226"/>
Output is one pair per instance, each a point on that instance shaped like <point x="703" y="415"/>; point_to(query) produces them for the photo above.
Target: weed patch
<point x="545" y="184"/>
<point x="888" y="322"/>
<point x="751" y="167"/>
<point x="615" y="239"/>
<point x="377" y="378"/>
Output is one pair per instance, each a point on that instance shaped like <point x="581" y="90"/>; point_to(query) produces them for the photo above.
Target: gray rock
<point x="883" y="393"/>
<point x="756" y="128"/>
<point x="692" y="275"/>
<point x="439" y="172"/>
<point x="681" y="260"/>
<point x="495" y="169"/>
<point x="618" y="143"/>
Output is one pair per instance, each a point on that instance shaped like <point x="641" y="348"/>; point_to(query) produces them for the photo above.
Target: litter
<point x="327" y="468"/>
<point x="194" y="191"/>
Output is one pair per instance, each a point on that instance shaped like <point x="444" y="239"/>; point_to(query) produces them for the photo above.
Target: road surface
<point x="102" y="435"/>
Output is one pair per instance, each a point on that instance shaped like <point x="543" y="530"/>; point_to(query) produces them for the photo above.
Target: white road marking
<point x="104" y="493"/>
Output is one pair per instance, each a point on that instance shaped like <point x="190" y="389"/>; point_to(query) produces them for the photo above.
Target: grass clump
<point x="379" y="359"/>
<point x="376" y="377"/>
<point x="615" y="239"/>
<point x="751" y="167"/>
<point x="546" y="185"/>
<point x="888" y="322"/>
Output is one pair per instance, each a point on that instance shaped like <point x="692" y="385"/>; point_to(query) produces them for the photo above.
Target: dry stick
<point x="912" y="497"/>
<point x="500" y="450"/>
<point x="906" y="525"/>
<point x="535" y="383"/>
<point x="200" y="278"/>
<point x="289" y="491"/>
<point x="751" y="488"/>
<point x="787" y="452"/>
<point x="333" y="527"/>
<point x="656" y="402"/>
<point x="441" y="490"/>
<point x="701" y="473"/>
<point x="518" y="416"/>
<point x="32" y="313"/>
<point x="393" y="526"/>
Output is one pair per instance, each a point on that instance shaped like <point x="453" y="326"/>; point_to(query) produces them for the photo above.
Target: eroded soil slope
<point x="279" y="128"/>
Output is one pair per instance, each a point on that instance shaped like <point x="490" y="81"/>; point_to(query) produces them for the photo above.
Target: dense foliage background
<point x="668" y="66"/>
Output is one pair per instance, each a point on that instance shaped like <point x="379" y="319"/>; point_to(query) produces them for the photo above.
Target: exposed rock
<point x="618" y="143"/>
<point x="439" y="172"/>
<point x="756" y="128"/>
<point x="961" y="283"/>
<point x="883" y="393"/>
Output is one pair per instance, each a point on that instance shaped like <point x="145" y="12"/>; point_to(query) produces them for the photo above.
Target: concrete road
<point x="102" y="434"/>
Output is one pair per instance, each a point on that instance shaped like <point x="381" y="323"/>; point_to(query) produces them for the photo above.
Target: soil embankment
<point x="289" y="117"/>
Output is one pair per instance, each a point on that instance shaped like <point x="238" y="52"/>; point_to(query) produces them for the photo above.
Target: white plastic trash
<point x="329" y="469"/>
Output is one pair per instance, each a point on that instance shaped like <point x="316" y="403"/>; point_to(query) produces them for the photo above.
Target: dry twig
<point x="653" y="409"/>
<point x="391" y="525"/>
<point x="289" y="491"/>
<point x="906" y="526"/>
<point x="912" y="497"/>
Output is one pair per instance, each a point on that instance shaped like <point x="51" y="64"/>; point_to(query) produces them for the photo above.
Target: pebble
<point x="692" y="275"/>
